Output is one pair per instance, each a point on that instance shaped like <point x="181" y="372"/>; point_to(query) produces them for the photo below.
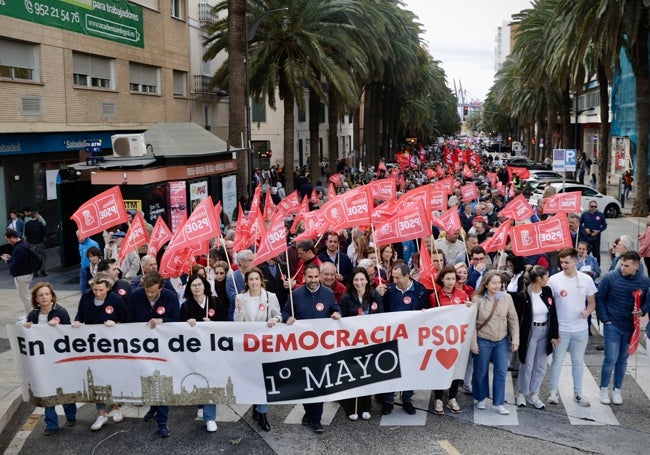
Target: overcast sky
<point x="460" y="35"/>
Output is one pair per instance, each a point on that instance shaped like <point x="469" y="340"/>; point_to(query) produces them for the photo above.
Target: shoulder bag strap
<point x="484" y="323"/>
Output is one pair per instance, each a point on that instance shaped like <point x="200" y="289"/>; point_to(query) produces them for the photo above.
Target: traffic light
<point x="465" y="110"/>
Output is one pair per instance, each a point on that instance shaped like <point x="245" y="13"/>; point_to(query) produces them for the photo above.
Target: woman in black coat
<point x="538" y="332"/>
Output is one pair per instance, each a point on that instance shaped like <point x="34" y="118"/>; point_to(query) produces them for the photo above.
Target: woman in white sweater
<point x="256" y="304"/>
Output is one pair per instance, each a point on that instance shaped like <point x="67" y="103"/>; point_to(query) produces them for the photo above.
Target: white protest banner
<point x="243" y="362"/>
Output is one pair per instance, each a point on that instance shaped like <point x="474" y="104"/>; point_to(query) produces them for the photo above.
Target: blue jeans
<point x="576" y="343"/>
<point x="262" y="408"/>
<point x="52" y="420"/>
<point x="209" y="412"/>
<point x="407" y="395"/>
<point x="616" y="344"/>
<point x="498" y="353"/>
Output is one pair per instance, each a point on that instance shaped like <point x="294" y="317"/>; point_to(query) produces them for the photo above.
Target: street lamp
<point x="250" y="35"/>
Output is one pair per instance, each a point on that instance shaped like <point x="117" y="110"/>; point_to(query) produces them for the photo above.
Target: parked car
<point x="499" y="148"/>
<point x="527" y="163"/>
<point x="543" y="174"/>
<point x="610" y="206"/>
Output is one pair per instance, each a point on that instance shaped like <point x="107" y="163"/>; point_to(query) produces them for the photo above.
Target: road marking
<point x="329" y="411"/>
<point x="446" y="445"/>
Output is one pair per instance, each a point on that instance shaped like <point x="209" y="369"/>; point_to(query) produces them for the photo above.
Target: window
<point x="93" y="71"/>
<point x="180" y="83"/>
<point x="322" y="113"/>
<point x="259" y="111"/>
<point x="19" y="61"/>
<point x="144" y="78"/>
<point x="302" y="117"/>
<point x="178" y="9"/>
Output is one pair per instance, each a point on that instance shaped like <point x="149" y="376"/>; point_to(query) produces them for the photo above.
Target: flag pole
<point x="286" y="252"/>
<point x="232" y="275"/>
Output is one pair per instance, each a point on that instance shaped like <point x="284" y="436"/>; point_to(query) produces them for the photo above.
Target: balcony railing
<point x="206" y="15"/>
<point x="202" y="87"/>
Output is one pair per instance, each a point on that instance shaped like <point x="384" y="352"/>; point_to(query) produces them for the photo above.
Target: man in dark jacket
<point x="153" y="304"/>
<point x="615" y="307"/>
<point x="18" y="262"/>
<point x="311" y="301"/>
<point x="403" y="294"/>
<point x="35" y="233"/>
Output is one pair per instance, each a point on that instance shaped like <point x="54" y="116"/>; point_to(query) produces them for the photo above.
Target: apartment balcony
<point x="202" y="87"/>
<point x="206" y="15"/>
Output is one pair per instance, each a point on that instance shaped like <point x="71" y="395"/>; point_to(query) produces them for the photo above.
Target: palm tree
<point x="232" y="77"/>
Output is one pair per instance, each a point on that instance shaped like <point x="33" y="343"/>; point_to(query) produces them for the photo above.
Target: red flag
<point x="563" y="203"/>
<point x="242" y="231"/>
<point x="467" y="172"/>
<point x="446" y="185"/>
<point x="336" y="179"/>
<point x="175" y="261"/>
<point x="438" y="200"/>
<point x="634" y="339"/>
<point x="474" y="159"/>
<point x="314" y="197"/>
<point x="159" y="236"/>
<point x="314" y="225"/>
<point x="383" y="189"/>
<point x="449" y="221"/>
<point x="289" y="205"/>
<point x="135" y="237"/>
<point x="518" y="209"/>
<point x="103" y="211"/>
<point x="499" y="240"/>
<point x="405" y="225"/>
<point x="422" y="155"/>
<point x="449" y="157"/>
<point x="331" y="193"/>
<point x="351" y="208"/>
<point x="257" y="196"/>
<point x="493" y="177"/>
<point x="403" y="160"/>
<point x="382" y="166"/>
<point x="469" y="192"/>
<point x="201" y="225"/>
<point x="535" y="238"/>
<point x="431" y="174"/>
<point x="303" y="209"/>
<point x="274" y="241"/>
<point x="269" y="206"/>
<point x="428" y="273"/>
<point x="217" y="214"/>
<point x="521" y="172"/>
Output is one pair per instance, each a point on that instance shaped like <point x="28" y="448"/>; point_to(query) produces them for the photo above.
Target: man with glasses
<point x="478" y="266"/>
<point x="235" y="278"/>
<point x="593" y="222"/>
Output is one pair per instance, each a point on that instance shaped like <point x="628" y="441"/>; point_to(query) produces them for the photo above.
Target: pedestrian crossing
<point x="597" y="414"/>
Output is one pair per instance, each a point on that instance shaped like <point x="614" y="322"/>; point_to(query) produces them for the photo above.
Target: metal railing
<point x="206" y="15"/>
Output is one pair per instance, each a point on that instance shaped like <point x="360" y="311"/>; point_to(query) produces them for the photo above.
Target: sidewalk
<point x="66" y="286"/>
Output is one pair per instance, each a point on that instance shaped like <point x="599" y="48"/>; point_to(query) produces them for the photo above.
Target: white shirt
<point x="570" y="295"/>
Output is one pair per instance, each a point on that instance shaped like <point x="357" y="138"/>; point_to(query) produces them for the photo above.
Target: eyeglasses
<point x="196" y="285"/>
<point x="593" y="206"/>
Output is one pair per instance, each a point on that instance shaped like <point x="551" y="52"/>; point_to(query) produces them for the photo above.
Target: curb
<point x="9" y="404"/>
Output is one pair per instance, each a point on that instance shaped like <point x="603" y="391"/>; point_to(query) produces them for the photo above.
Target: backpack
<point x="35" y="261"/>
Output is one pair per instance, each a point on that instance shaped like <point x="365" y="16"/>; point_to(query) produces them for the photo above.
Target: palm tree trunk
<point x="289" y="101"/>
<point x="314" y="136"/>
<point x="642" y="73"/>
<point x="603" y="158"/>
<point x="237" y="88"/>
<point x="333" y="137"/>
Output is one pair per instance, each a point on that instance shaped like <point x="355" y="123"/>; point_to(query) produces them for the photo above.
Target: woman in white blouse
<point x="256" y="304"/>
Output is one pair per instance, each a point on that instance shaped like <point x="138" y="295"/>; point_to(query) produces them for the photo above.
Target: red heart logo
<point x="447" y="357"/>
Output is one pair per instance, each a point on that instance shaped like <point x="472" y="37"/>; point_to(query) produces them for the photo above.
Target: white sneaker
<point x="501" y="409"/>
<point x="365" y="415"/>
<point x="536" y="402"/>
<point x="353" y="417"/>
<point x="604" y="395"/>
<point x="582" y="401"/>
<point x="211" y="426"/>
<point x="520" y="401"/>
<point x="117" y="415"/>
<point x="199" y="414"/>
<point x="99" y="423"/>
<point x="553" y="398"/>
<point x="481" y="404"/>
<point x="437" y="408"/>
<point x="617" y="398"/>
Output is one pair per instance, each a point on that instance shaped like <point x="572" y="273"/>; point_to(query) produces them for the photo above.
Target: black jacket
<point x="524" y="308"/>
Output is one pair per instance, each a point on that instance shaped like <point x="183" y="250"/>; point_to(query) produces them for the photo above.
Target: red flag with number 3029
<point x="101" y="212"/>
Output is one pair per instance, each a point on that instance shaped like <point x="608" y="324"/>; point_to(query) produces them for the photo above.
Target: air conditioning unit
<point x="128" y="145"/>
